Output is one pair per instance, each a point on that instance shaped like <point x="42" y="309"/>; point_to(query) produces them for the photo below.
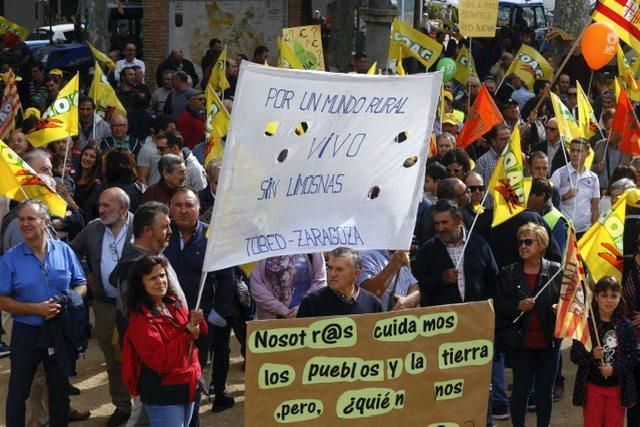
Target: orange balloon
<point x="599" y="43"/>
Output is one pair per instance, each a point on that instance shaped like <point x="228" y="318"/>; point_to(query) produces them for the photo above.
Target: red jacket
<point x="191" y="126"/>
<point x="155" y="357"/>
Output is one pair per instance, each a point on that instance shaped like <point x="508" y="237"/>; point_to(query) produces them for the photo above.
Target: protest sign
<point x="478" y="18"/>
<point x="427" y="366"/>
<point x="315" y="161"/>
<point x="306" y="44"/>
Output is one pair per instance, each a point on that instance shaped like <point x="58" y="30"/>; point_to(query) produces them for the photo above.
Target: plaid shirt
<point x="456" y="253"/>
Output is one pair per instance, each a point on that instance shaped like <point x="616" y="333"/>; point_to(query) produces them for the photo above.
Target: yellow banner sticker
<point x="398" y="328"/>
<point x="415" y="362"/>
<point x="368" y="402"/>
<point x="465" y="353"/>
<point x="274" y="375"/>
<point x="328" y="370"/>
<point x="297" y="410"/>
<point x="438" y="323"/>
<point x="280" y="339"/>
<point x="332" y="333"/>
<point x="447" y="390"/>
<point x="394" y="368"/>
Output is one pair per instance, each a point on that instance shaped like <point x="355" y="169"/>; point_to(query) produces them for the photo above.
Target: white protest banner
<point x="315" y="161"/>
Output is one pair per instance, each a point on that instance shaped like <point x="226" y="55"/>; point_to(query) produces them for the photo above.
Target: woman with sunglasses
<point x="457" y="163"/>
<point x="529" y="343"/>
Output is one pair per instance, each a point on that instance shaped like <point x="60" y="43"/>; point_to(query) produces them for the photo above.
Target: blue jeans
<point x="498" y="387"/>
<point x="169" y="415"/>
<point x="529" y="365"/>
<point x="25" y="358"/>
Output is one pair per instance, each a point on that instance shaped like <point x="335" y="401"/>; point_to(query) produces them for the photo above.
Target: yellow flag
<point x="601" y="247"/>
<point x="218" y="77"/>
<point x="104" y="96"/>
<point x="508" y="186"/>
<point x="413" y="43"/>
<point x="465" y="66"/>
<point x="9" y="105"/>
<point x="18" y="181"/>
<point x="61" y="118"/>
<point x="216" y="126"/>
<point x="305" y="43"/>
<point x="625" y="77"/>
<point x="372" y="69"/>
<point x="530" y="66"/>
<point x="399" y="68"/>
<point x="99" y="56"/>
<point x="587" y="121"/>
<point x="616" y="88"/>
<point x="287" y="58"/>
<point x="568" y="126"/>
<point x="7" y="26"/>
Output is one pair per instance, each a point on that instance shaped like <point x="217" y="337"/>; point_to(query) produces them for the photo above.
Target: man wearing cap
<point x="191" y="120"/>
<point x="450" y="124"/>
<point x="490" y="83"/>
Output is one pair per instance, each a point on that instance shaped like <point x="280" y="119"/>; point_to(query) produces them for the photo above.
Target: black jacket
<point x="623" y="363"/>
<point x="480" y="272"/>
<point x="512" y="287"/>
<point x="66" y="333"/>
<point x="558" y="161"/>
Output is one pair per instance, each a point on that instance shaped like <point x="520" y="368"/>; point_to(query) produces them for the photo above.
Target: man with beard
<point x="151" y="232"/>
<point x="100" y="246"/>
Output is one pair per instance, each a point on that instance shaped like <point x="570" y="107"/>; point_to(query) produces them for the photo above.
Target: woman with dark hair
<point x="457" y="163"/>
<point x="119" y="171"/>
<point x="159" y="364"/>
<point x="88" y="173"/>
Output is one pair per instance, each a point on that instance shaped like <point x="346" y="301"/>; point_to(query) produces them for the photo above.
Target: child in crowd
<point x="605" y="385"/>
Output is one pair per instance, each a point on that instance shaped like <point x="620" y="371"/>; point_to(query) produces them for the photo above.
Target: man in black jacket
<point x="176" y="62"/>
<point x="451" y="252"/>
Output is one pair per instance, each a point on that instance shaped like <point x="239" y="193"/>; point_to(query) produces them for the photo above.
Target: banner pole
<point x="473" y="224"/>
<point x="66" y="155"/>
<point x="540" y="291"/>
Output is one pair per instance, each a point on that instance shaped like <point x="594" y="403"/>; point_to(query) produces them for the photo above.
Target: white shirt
<point x="588" y="188"/>
<point x="112" y="247"/>
<point x="455" y="253"/>
<point x="123" y="63"/>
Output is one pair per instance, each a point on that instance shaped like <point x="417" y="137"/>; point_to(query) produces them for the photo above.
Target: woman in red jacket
<point x="156" y="362"/>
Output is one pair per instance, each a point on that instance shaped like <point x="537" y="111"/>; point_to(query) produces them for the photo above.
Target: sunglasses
<point x="473" y="188"/>
<point x="526" y="242"/>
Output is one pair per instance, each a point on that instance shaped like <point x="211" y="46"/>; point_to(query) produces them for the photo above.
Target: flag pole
<point x="468" y="78"/>
<point x="203" y="277"/>
<point x="559" y="71"/>
<point x="473" y="224"/>
<point x="540" y="291"/>
<point x="66" y="155"/>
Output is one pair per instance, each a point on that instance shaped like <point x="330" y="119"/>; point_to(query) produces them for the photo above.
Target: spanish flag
<point x="104" y="96"/>
<point x="465" y="66"/>
<point x="61" y="118"/>
<point x="288" y="59"/>
<point x="530" y="66"/>
<point x="218" y="77"/>
<point x="601" y="247"/>
<point x="10" y="104"/>
<point x="575" y="298"/>
<point x="413" y="43"/>
<point x="623" y="16"/>
<point x="216" y="126"/>
<point x="19" y="182"/>
<point x="101" y="57"/>
<point x="508" y="186"/>
<point x="483" y="115"/>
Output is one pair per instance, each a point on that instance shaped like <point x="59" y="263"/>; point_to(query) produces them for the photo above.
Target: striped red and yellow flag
<point x="623" y="16"/>
<point x="575" y="297"/>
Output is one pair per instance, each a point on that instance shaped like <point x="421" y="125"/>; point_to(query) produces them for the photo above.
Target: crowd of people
<point x="131" y="247"/>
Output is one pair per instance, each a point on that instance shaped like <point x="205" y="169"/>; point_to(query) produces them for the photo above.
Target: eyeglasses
<point x="526" y="242"/>
<point x="550" y="128"/>
<point x="454" y="170"/>
<point x="473" y="188"/>
<point x="115" y="257"/>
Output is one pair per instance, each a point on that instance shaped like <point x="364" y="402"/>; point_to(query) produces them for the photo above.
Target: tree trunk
<point x="342" y="33"/>
<point x="570" y="16"/>
<point x="97" y="23"/>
